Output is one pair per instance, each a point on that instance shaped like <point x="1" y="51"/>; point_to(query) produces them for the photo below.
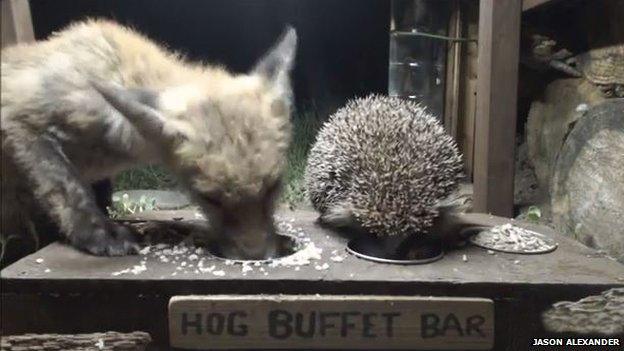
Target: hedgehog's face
<point x="225" y="137"/>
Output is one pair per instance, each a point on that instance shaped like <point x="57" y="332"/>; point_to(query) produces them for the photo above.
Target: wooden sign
<point x="330" y="321"/>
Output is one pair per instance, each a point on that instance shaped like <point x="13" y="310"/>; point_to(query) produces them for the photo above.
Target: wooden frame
<point x="495" y="122"/>
<point x="16" y="22"/>
<point x="531" y="4"/>
<point x="486" y="133"/>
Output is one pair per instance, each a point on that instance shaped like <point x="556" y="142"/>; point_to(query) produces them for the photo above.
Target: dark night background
<point x="343" y="44"/>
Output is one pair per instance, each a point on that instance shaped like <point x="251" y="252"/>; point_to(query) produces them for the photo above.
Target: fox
<point x="98" y="98"/>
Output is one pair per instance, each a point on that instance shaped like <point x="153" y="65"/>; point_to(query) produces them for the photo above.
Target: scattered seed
<point x="508" y="237"/>
<point x="337" y="258"/>
<point x="246" y="268"/>
<point x="321" y="267"/>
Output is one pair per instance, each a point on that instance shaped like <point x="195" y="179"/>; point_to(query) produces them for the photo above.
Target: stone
<point x="587" y="192"/>
<point x="596" y="314"/>
<point x="550" y="119"/>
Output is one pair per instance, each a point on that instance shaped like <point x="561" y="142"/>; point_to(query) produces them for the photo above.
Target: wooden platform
<point x="79" y="293"/>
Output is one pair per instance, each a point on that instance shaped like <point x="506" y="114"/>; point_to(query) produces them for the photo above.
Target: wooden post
<point x="453" y="73"/>
<point x="531" y="4"/>
<point x="495" y="124"/>
<point x="468" y="86"/>
<point x="16" y="22"/>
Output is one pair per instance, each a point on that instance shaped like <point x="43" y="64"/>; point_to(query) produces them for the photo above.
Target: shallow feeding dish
<point x="397" y="250"/>
<point x="286" y="246"/>
<point x="512" y="239"/>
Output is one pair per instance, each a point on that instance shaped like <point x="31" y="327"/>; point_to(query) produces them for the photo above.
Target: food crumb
<point x="39" y="260"/>
<point x="322" y="267"/>
<point x="337" y="258"/>
<point x="207" y="269"/>
<point x="464" y="258"/>
<point x="246" y="268"/>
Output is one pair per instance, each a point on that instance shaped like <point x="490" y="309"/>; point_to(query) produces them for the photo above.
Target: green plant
<point x="305" y="126"/>
<point x="533" y="214"/>
<point x="124" y="206"/>
<point x="149" y="177"/>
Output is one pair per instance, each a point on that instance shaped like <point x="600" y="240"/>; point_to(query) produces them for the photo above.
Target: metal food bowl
<point x="286" y="246"/>
<point x="409" y="250"/>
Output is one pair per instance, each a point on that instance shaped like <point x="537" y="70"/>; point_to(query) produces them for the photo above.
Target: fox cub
<point x="98" y="98"/>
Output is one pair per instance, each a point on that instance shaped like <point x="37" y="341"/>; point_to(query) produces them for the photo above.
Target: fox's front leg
<point x="68" y="201"/>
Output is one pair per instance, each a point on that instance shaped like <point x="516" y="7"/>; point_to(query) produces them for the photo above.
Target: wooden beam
<point x="468" y="86"/>
<point x="495" y="125"/>
<point x="531" y="4"/>
<point x="16" y="22"/>
<point x="453" y="73"/>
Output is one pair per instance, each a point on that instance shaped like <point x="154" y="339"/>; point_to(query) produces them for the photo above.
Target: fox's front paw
<point x="112" y="240"/>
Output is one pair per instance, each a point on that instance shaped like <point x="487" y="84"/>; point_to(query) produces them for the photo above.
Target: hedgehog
<point x="382" y="164"/>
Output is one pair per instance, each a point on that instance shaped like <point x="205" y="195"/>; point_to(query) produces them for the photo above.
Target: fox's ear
<point x="138" y="106"/>
<point x="276" y="65"/>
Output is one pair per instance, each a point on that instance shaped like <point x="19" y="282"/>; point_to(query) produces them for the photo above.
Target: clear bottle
<point x="416" y="59"/>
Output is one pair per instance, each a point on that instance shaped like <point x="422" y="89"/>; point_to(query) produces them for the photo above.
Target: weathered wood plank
<point x="330" y="322"/>
<point x="59" y="267"/>
<point x="41" y="290"/>
<point x="106" y="341"/>
<point x="495" y="126"/>
<point x="16" y="22"/>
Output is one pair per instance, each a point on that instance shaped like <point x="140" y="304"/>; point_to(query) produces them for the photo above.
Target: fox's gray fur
<point x="98" y="98"/>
